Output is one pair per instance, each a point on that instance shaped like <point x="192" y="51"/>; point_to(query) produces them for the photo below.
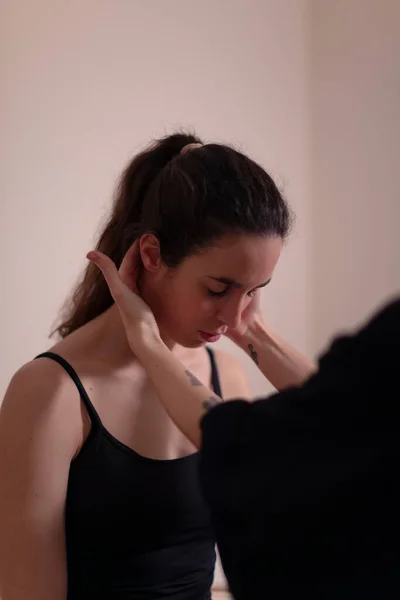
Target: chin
<point x="186" y="341"/>
<point x="189" y="342"/>
<point x="195" y="344"/>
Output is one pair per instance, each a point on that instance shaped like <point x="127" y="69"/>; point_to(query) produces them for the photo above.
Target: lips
<point x="210" y="337"/>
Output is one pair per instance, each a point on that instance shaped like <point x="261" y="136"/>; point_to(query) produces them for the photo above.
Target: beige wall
<point x="355" y="158"/>
<point x="86" y="82"/>
<point x="310" y="89"/>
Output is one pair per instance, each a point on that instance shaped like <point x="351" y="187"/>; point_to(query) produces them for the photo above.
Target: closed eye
<point x="218" y="294"/>
<point x="231" y="283"/>
<point x="225" y="291"/>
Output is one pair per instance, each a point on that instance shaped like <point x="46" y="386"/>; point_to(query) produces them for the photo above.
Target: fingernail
<point x="92" y="255"/>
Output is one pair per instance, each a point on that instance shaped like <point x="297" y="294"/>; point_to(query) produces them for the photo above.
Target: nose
<point x="231" y="313"/>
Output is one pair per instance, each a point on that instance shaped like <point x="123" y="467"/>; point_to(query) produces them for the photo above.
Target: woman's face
<point x="196" y="302"/>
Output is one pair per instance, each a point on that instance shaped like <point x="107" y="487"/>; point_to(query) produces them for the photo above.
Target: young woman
<point x="303" y="486"/>
<point x="99" y="494"/>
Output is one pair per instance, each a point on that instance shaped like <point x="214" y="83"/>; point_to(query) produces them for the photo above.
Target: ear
<point x="150" y="252"/>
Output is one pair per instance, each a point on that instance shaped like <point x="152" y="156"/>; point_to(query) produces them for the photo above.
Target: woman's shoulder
<point x="39" y="375"/>
<point x="39" y="401"/>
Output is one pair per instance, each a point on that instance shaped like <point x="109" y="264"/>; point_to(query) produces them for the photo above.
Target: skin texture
<point x="183" y="396"/>
<point x="180" y="298"/>
<point x="43" y="423"/>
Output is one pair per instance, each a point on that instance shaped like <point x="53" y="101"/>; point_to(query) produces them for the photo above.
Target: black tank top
<point x="136" y="528"/>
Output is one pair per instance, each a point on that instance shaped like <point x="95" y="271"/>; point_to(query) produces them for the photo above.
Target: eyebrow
<point x="233" y="283"/>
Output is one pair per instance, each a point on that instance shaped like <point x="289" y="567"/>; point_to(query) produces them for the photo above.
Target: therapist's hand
<point x="252" y="321"/>
<point x="137" y="317"/>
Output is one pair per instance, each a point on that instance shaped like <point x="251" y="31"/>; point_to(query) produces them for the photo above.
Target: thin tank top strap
<point x="214" y="373"/>
<point x="94" y="417"/>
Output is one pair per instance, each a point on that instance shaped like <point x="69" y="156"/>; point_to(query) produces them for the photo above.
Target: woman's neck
<point x="110" y="339"/>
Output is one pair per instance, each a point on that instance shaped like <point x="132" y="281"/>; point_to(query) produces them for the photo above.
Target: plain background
<point x="309" y="88"/>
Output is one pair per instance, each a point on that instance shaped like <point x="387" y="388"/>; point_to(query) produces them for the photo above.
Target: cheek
<point x="190" y="308"/>
<point x="197" y="305"/>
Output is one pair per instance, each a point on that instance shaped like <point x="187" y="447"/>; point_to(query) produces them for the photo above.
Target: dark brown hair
<point x="185" y="199"/>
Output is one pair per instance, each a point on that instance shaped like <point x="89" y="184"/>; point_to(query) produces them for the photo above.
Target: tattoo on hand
<point x="193" y="379"/>
<point x="211" y="402"/>
<point x="253" y="353"/>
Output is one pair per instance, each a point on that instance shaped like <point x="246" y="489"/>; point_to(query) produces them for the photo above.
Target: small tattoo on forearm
<point x="193" y="379"/>
<point x="211" y="402"/>
<point x="253" y="353"/>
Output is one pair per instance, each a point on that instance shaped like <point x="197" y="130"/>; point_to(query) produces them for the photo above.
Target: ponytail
<point x="92" y="296"/>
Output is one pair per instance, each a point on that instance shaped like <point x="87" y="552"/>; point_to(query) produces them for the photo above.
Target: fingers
<point x="256" y="305"/>
<point x="110" y="272"/>
<point x="130" y="267"/>
<point x="136" y="315"/>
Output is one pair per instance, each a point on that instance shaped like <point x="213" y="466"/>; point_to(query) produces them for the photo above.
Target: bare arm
<point x="278" y="361"/>
<point x="184" y="397"/>
<point x="36" y="447"/>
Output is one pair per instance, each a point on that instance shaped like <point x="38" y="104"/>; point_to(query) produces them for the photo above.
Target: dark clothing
<point x="136" y="528"/>
<point x="304" y="486"/>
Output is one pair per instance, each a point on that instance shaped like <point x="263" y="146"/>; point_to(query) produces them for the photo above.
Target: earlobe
<point x="150" y="252"/>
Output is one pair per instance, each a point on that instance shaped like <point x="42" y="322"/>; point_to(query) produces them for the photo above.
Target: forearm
<point x="281" y="364"/>
<point x="183" y="396"/>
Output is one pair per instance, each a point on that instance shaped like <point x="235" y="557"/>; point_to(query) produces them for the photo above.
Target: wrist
<point x="257" y="333"/>
<point x="148" y="345"/>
